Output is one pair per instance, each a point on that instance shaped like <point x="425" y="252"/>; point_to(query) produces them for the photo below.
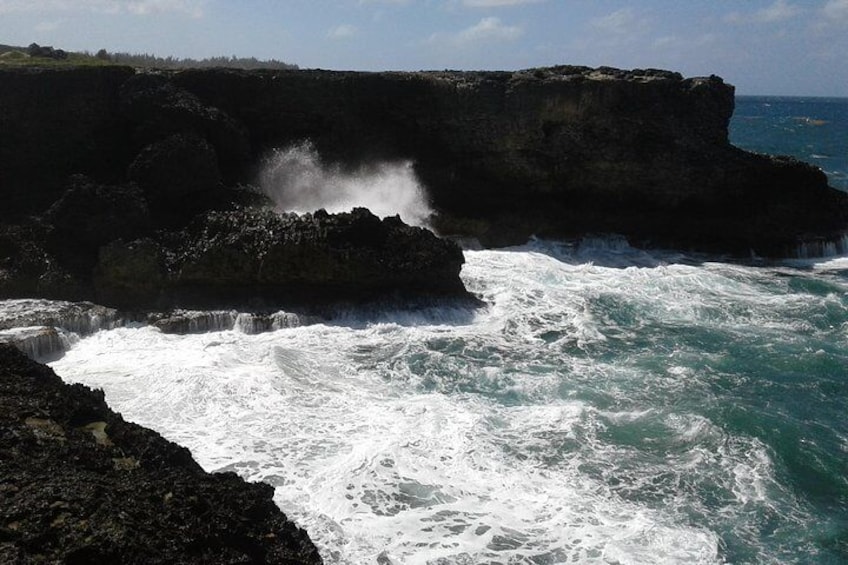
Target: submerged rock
<point x="200" y="321"/>
<point x="78" y="484"/>
<point x="39" y="342"/>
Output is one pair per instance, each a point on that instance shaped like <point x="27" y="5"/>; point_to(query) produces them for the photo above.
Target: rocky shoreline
<point x="109" y="172"/>
<point x="556" y="152"/>
<point x="135" y="190"/>
<point x="78" y="484"/>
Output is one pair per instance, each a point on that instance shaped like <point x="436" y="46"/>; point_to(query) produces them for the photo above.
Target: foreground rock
<point x="78" y="484"/>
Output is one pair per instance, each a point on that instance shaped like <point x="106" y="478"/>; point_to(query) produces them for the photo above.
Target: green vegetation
<point x="20" y="58"/>
<point x="38" y="56"/>
<point x="152" y="61"/>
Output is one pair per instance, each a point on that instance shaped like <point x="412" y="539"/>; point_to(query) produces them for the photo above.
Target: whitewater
<point x="602" y="404"/>
<point x="605" y="405"/>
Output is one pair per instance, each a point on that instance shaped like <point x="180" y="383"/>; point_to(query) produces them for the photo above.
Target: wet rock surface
<point x="78" y="484"/>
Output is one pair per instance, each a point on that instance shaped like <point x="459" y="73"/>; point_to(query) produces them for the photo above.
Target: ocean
<point x="605" y="405"/>
<point x="811" y="129"/>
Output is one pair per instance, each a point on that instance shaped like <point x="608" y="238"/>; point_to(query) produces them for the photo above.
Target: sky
<point x="778" y="47"/>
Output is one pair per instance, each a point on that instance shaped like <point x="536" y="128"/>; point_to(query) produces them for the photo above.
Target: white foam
<point x="506" y="434"/>
<point x="78" y="317"/>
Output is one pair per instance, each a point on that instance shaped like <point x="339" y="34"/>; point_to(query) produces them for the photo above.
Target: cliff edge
<point x="559" y="152"/>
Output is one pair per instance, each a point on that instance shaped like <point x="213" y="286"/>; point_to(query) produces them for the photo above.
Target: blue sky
<point x="790" y="47"/>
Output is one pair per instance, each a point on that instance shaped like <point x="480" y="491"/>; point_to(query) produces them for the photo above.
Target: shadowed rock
<point x="256" y="257"/>
<point x="78" y="484"/>
<point x="89" y="215"/>
<point x="556" y="152"/>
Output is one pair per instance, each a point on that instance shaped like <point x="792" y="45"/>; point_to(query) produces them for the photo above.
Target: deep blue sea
<point x="812" y="129"/>
<point x="605" y="405"/>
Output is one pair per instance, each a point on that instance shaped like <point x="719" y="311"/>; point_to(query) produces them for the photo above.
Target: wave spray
<point x="297" y="180"/>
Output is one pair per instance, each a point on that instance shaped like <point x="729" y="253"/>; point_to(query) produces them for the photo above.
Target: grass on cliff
<point x="13" y="56"/>
<point x="17" y="58"/>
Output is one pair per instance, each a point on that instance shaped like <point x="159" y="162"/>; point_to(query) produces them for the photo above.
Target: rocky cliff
<point x="78" y="484"/>
<point x="558" y="151"/>
<point x="130" y="190"/>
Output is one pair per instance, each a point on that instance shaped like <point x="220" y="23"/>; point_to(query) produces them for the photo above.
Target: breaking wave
<point x="297" y="180"/>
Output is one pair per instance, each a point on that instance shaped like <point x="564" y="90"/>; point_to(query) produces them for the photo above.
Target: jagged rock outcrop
<point x="559" y="151"/>
<point x="125" y="213"/>
<point x="78" y="484"/>
<point x="257" y="257"/>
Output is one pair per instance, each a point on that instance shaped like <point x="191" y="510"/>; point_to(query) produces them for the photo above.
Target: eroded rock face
<point x="555" y="152"/>
<point x="78" y="484"/>
<point x="55" y="123"/>
<point x="89" y="215"/>
<point x="258" y="257"/>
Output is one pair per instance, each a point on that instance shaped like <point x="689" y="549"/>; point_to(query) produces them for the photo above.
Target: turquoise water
<point x="605" y="405"/>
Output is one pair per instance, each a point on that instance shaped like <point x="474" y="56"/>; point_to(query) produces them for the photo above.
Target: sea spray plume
<point x="297" y="180"/>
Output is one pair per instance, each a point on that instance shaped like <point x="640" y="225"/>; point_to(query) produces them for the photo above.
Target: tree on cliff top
<point x="152" y="61"/>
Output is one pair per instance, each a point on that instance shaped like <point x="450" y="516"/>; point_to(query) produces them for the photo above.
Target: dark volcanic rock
<point x="177" y="174"/>
<point x="89" y="215"/>
<point x="176" y="167"/>
<point x="257" y="256"/>
<point x="28" y="269"/>
<point x="157" y="108"/>
<point x="556" y="152"/>
<point x="78" y="484"/>
<point x="56" y="122"/>
<point x="130" y="274"/>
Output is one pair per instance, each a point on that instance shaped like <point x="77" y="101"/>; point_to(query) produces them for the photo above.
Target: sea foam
<point x="598" y="409"/>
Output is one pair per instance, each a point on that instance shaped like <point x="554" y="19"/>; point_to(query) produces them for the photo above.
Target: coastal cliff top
<point x="574" y="73"/>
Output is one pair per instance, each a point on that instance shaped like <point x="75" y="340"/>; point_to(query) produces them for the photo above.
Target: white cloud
<point x="487" y="29"/>
<point x="623" y="22"/>
<point x="193" y="8"/>
<point x="497" y="3"/>
<point x="677" y="43"/>
<point x="779" y="11"/>
<point x="836" y="11"/>
<point x="490" y="28"/>
<point x="342" y="31"/>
